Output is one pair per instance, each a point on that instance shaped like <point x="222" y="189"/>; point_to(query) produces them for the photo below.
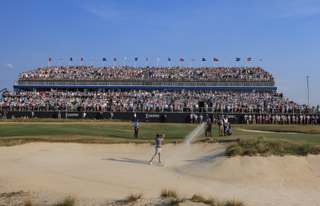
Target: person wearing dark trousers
<point x="136" y="129"/>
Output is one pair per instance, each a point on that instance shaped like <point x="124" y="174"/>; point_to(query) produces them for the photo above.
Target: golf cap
<point x="158" y="135"/>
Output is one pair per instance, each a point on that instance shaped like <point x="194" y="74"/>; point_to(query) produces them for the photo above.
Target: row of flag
<point x="169" y="59"/>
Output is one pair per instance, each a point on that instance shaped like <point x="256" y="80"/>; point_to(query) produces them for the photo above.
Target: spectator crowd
<point x="126" y="73"/>
<point x="152" y="101"/>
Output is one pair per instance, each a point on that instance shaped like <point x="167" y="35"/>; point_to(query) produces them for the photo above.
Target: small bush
<point x="28" y="202"/>
<point x="169" y="193"/>
<point x="69" y="200"/>
<point x="234" y="202"/>
<point x="200" y="198"/>
<point x="176" y="201"/>
<point x="134" y="198"/>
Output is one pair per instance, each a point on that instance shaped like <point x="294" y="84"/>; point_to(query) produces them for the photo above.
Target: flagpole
<point x="134" y="63"/>
<point x="102" y="64"/>
<point x="190" y="63"/>
<point x="201" y="63"/>
<point x="168" y="63"/>
<point x="224" y="63"/>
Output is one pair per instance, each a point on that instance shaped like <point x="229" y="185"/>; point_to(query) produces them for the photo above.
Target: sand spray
<point x="182" y="149"/>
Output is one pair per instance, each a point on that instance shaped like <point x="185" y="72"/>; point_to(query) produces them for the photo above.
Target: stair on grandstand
<point x="76" y="106"/>
<point x="3" y="90"/>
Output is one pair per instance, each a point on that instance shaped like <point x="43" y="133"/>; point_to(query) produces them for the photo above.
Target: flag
<point x="191" y="59"/>
<point x="147" y="59"/>
<point x="260" y="59"/>
<point x="238" y="59"/>
<point x="249" y="59"/>
<point x="50" y="59"/>
<point x="225" y="59"/>
<point x="115" y="59"/>
<point x="71" y="59"/>
<point x="204" y="59"/>
<point x="136" y="59"/>
<point x="93" y="59"/>
<point x="81" y="59"/>
<point x="169" y="59"/>
<point x="104" y="59"/>
<point x="216" y="60"/>
<point x="182" y="60"/>
<point x="61" y="59"/>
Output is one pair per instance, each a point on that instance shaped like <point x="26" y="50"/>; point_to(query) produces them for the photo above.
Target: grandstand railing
<point x="146" y="109"/>
<point x="224" y="83"/>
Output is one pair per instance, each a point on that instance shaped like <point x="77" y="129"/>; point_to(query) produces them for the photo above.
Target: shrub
<point x="176" y="201"/>
<point x="134" y="198"/>
<point x="200" y="198"/>
<point x="28" y="202"/>
<point x="69" y="200"/>
<point x="169" y="193"/>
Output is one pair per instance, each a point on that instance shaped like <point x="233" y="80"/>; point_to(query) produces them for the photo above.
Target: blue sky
<point x="284" y="33"/>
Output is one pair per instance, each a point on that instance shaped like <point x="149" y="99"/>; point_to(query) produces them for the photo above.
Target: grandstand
<point x="118" y="92"/>
<point x="78" y="78"/>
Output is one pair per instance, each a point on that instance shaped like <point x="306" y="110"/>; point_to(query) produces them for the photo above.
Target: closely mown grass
<point x="35" y="119"/>
<point x="134" y="198"/>
<point x="169" y="193"/>
<point x="305" y="129"/>
<point x="69" y="200"/>
<point x="255" y="146"/>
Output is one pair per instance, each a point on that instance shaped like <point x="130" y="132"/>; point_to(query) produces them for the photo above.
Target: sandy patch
<point x="99" y="174"/>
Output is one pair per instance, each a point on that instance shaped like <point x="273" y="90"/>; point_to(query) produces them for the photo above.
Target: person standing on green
<point x="136" y="129"/>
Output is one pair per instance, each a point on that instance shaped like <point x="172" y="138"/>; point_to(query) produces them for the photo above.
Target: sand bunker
<point x="100" y="173"/>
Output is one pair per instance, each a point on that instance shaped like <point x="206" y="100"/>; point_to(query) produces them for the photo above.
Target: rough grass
<point x="28" y="202"/>
<point x="169" y="193"/>
<point x="12" y="194"/>
<point x="260" y="146"/>
<point x="134" y="198"/>
<point x="200" y="198"/>
<point x="176" y="201"/>
<point x="69" y="200"/>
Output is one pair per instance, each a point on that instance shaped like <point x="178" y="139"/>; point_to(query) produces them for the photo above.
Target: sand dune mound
<point x="281" y="170"/>
<point x="98" y="174"/>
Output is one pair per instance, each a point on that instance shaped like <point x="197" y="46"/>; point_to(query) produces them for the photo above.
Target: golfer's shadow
<point x="127" y="160"/>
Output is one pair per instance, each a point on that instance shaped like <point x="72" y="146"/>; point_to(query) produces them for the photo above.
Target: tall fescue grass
<point x="176" y="201"/>
<point x="216" y="202"/>
<point x="262" y="146"/>
<point x="200" y="198"/>
<point x="69" y="200"/>
<point x="134" y="198"/>
<point x="28" y="202"/>
<point x="169" y="193"/>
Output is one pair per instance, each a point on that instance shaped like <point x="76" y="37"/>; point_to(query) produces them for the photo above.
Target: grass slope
<point x="95" y="131"/>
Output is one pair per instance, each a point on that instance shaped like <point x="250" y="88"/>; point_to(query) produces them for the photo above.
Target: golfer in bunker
<point x="158" y="147"/>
